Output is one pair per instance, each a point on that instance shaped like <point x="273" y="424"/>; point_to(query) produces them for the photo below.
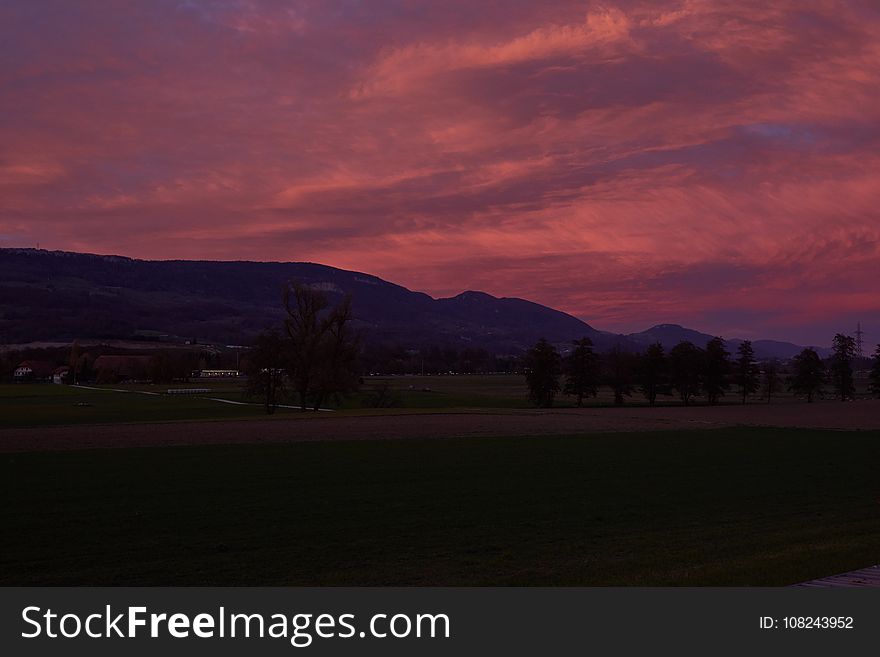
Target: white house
<point x="34" y="370"/>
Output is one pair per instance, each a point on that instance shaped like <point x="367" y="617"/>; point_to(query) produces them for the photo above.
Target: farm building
<point x="34" y="370"/>
<point x="122" y="368"/>
<point x="218" y="374"/>
<point x="61" y="375"/>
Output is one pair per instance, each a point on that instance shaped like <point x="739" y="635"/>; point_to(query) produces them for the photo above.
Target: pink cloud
<point x="628" y="163"/>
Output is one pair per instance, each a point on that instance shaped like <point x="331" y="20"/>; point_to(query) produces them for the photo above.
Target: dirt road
<point x="861" y="415"/>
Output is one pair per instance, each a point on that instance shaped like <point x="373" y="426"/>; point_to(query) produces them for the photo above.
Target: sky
<point x="711" y="163"/>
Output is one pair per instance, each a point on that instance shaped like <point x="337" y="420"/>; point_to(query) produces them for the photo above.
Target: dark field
<point x="44" y="405"/>
<point x="742" y="506"/>
<point x="58" y="405"/>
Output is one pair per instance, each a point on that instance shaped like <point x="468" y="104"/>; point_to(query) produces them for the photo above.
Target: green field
<point x="48" y="405"/>
<point x="35" y="405"/>
<point x="721" y="507"/>
<point x="453" y="391"/>
<point x="43" y="405"/>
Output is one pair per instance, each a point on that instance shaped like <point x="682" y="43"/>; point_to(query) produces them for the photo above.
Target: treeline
<point x="435" y="359"/>
<point x="689" y="372"/>
<point x="315" y="356"/>
<point x="156" y="366"/>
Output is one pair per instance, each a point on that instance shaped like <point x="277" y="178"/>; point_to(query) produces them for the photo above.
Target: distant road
<point x="311" y="427"/>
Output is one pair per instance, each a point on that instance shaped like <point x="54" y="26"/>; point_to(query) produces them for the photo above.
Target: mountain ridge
<point x="68" y="295"/>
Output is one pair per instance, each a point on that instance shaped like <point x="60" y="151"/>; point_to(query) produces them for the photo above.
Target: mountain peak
<point x="118" y="297"/>
<point x="475" y="295"/>
<point x="230" y="302"/>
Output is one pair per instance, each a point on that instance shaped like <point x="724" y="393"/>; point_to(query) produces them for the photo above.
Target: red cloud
<point x="629" y="164"/>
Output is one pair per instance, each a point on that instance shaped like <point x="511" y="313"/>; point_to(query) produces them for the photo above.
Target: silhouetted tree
<point x="543" y="369"/>
<point x="717" y="370"/>
<point x="582" y="371"/>
<point x="338" y="351"/>
<point x="844" y="347"/>
<point x="653" y="372"/>
<point x="685" y="365"/>
<point x="874" y="376"/>
<point x="772" y="379"/>
<point x="808" y="375"/>
<point x="322" y="347"/>
<point x="746" y="374"/>
<point x="265" y="368"/>
<point x="160" y="369"/>
<point x="619" y="373"/>
<point x="382" y="395"/>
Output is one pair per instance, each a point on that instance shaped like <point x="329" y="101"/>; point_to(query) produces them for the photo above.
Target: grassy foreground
<point x="43" y="405"/>
<point x="722" y="507"/>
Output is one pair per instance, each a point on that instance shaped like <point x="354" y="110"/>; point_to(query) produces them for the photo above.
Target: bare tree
<point x="582" y="371"/>
<point x="264" y="365"/>
<point x="382" y="395"/>
<point x="322" y="345"/>
<point x="338" y="350"/>
<point x="747" y="374"/>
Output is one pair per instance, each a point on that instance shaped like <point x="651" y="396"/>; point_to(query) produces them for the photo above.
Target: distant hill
<point x="670" y="335"/>
<point x="61" y="296"/>
<point x="57" y="295"/>
<point x="776" y="349"/>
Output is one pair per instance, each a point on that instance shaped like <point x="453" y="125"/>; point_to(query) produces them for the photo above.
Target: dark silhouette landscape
<point x="419" y="293"/>
<point x="62" y="296"/>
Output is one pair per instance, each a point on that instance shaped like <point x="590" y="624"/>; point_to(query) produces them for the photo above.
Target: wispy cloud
<point x="627" y="161"/>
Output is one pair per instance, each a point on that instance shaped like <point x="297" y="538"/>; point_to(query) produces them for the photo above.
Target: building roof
<point x="39" y="368"/>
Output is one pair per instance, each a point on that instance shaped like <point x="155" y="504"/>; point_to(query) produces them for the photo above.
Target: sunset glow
<point x="706" y="162"/>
